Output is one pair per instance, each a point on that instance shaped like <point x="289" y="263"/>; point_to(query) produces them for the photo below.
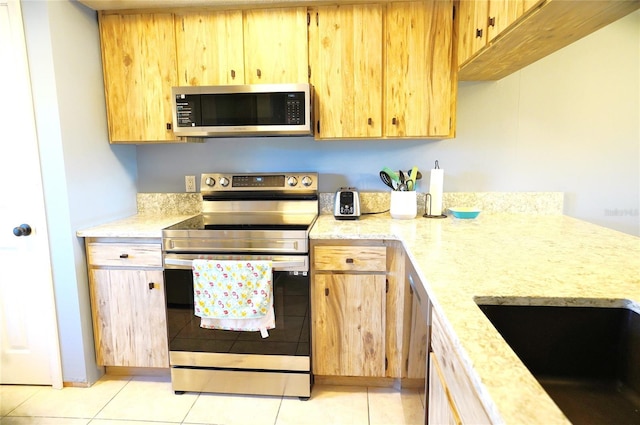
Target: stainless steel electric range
<point x="244" y="216"/>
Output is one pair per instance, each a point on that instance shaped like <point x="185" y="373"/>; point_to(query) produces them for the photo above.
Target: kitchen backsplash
<point x="169" y="203"/>
<point x="370" y="202"/>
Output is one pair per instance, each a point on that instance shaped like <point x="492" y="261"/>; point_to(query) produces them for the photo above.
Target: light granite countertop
<point x="135" y="226"/>
<point x="507" y="259"/>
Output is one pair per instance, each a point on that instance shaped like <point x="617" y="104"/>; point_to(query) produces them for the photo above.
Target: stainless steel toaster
<point x="347" y="204"/>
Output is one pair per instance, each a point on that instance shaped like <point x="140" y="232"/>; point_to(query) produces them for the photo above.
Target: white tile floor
<point x="144" y="400"/>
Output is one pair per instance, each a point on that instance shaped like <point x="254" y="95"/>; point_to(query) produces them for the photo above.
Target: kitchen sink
<point x="586" y="358"/>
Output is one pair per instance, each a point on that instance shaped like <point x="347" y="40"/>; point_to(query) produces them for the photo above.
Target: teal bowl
<point x="464" y="212"/>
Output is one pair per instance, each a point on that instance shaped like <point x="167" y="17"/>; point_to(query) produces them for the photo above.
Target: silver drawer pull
<point x="124" y="255"/>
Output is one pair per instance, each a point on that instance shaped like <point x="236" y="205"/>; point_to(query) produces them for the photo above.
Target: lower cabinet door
<point x="349" y="325"/>
<point x="129" y="319"/>
<point x="441" y="408"/>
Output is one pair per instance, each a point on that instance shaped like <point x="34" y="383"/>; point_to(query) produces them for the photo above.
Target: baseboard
<point x="138" y="371"/>
<point x="358" y="381"/>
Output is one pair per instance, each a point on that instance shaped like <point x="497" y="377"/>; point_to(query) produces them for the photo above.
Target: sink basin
<point x="586" y="358"/>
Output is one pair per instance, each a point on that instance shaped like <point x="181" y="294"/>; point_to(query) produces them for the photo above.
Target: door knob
<point x="22" y="230"/>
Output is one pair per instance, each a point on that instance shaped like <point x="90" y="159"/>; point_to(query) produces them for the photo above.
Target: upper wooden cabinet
<point x="383" y="70"/>
<point x="346" y="70"/>
<point x="522" y="31"/>
<point x="264" y="46"/>
<point x="210" y="48"/>
<point x="144" y="55"/>
<point x="139" y="60"/>
<point x="419" y="76"/>
<point x="480" y="21"/>
<point x="276" y="46"/>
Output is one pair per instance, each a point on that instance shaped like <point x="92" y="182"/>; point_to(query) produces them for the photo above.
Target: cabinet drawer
<point x="350" y="258"/>
<point x="124" y="254"/>
<point x="463" y="395"/>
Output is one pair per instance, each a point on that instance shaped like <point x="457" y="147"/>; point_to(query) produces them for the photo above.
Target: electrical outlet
<point x="190" y="183"/>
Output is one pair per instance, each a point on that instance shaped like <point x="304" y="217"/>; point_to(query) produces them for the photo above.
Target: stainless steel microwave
<point x="243" y="110"/>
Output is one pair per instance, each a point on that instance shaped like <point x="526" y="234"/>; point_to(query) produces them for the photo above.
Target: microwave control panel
<point x="187" y="109"/>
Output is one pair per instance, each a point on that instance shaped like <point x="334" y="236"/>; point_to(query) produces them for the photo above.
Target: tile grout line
<point x="24" y="401"/>
<point x="111" y="399"/>
<point x="191" y="407"/>
<point x="368" y="408"/>
<point x="275" y="422"/>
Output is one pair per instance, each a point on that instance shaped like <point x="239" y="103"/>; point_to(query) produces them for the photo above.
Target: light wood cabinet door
<point x="460" y="391"/>
<point x="501" y="14"/>
<point x="276" y="46"/>
<point x="129" y="319"/>
<point x="349" y="325"/>
<point x="209" y="48"/>
<point x="418" y="340"/>
<point x="419" y="95"/>
<point x="346" y="70"/>
<point x="472" y="28"/>
<point x="139" y="61"/>
<point x="441" y="407"/>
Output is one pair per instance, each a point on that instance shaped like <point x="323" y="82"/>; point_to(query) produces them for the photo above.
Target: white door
<point x="29" y="347"/>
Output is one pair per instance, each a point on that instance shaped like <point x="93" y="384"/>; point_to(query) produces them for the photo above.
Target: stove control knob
<point x="306" y="181"/>
<point x="224" y="182"/>
<point x="292" y="181"/>
<point x="210" y="181"/>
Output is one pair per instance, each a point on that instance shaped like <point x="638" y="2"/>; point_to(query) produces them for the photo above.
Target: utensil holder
<point x="404" y="204"/>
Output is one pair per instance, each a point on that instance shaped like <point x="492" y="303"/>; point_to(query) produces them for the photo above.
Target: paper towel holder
<point x="427" y="212"/>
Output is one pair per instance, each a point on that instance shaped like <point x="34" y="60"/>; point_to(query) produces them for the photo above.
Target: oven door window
<point x="290" y="336"/>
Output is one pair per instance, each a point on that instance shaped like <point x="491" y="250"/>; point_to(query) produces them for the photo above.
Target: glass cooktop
<point x="245" y="220"/>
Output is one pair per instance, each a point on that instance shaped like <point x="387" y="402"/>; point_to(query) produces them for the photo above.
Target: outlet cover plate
<point x="190" y="183"/>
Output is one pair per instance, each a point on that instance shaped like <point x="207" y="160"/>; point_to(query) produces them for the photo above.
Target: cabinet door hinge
<point x="406" y="365"/>
<point x="454" y="12"/>
<point x="309" y="71"/>
<point x="386" y="363"/>
<point x="326" y="292"/>
<point x="317" y="20"/>
<point x="308" y="19"/>
<point x="387" y="286"/>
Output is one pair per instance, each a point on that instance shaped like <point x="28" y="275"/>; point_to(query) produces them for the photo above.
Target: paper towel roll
<point x="435" y="189"/>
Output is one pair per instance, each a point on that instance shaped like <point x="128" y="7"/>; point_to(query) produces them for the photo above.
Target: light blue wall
<point x="568" y="123"/>
<point x="86" y="181"/>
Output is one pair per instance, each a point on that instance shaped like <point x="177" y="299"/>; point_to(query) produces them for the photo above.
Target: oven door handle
<point x="186" y="264"/>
